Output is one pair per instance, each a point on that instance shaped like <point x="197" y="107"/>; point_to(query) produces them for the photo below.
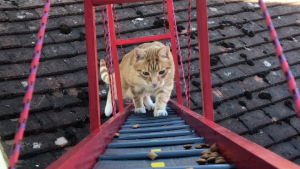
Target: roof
<point x="250" y="93"/>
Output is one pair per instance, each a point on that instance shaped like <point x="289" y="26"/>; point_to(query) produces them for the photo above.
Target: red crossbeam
<point x="104" y="2"/>
<point x="142" y="39"/>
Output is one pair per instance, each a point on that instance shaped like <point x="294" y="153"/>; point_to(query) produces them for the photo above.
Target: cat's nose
<point x="154" y="84"/>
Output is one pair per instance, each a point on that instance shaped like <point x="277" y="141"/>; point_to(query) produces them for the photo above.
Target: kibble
<point x="205" y="156"/>
<point x="198" y="147"/>
<point x="202" y="145"/>
<point x="220" y="157"/>
<point x="201" y="161"/>
<point x="205" y="152"/>
<point x="214" y="148"/>
<point x="152" y="155"/>
<point x="211" y="160"/>
<point x="214" y="154"/>
<point x="220" y="161"/>
<point x="135" y="126"/>
<point x="116" y="135"/>
<point x="187" y="146"/>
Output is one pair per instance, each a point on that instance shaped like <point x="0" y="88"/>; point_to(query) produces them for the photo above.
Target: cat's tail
<point x="103" y="71"/>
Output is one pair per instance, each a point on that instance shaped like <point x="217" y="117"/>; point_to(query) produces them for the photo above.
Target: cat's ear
<point x="139" y="54"/>
<point x="164" y="52"/>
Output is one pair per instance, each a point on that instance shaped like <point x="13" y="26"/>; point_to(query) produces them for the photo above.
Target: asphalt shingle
<point x="60" y="104"/>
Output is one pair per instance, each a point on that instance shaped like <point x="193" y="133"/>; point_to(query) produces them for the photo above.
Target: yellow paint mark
<point x="157" y="164"/>
<point x="153" y="150"/>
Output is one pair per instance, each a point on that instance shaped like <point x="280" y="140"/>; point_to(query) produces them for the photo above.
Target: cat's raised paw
<point x="160" y="113"/>
<point x="140" y="110"/>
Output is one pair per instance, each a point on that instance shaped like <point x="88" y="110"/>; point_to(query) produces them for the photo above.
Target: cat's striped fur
<point x="146" y="70"/>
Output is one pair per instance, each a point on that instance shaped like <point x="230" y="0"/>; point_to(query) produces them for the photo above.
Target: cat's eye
<point x="161" y="72"/>
<point x="145" y="73"/>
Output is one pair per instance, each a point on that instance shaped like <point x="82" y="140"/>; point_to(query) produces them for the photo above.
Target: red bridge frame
<point x="238" y="150"/>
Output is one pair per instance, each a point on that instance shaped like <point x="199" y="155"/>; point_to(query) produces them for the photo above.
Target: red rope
<point x="164" y="11"/>
<point x="28" y="96"/>
<point x="189" y="54"/>
<point x="283" y="62"/>
<point x="116" y="18"/>
<point x="112" y="83"/>
<point x="105" y="38"/>
<point x="179" y="50"/>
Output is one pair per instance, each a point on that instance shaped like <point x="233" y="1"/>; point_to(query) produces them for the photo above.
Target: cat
<point x="146" y="70"/>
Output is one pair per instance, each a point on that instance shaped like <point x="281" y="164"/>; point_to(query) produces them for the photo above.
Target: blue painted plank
<point x="149" y="118"/>
<point x="206" y="166"/>
<point x="156" y="135"/>
<point x="156" y="143"/>
<point x="170" y="163"/>
<point x="153" y="129"/>
<point x="156" y="124"/>
<point x="149" y="114"/>
<point x="161" y="154"/>
<point x="152" y="121"/>
<point x="194" y="135"/>
<point x="147" y="149"/>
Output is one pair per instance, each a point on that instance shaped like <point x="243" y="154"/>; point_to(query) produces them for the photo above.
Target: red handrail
<point x="282" y="60"/>
<point x="30" y="87"/>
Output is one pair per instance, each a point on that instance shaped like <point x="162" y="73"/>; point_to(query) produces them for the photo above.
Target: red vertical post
<point x="92" y="65"/>
<point x="204" y="60"/>
<point x="174" y="52"/>
<point x="115" y="57"/>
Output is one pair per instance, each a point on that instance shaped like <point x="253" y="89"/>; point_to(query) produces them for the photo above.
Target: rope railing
<point x="30" y="87"/>
<point x="179" y="53"/>
<point x="111" y="68"/>
<point x="283" y="62"/>
<point x="118" y="29"/>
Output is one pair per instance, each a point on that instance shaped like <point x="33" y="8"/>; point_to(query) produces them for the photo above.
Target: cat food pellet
<point x="165" y="125"/>
<point x="220" y="157"/>
<point x="220" y="161"/>
<point x="206" y="145"/>
<point x="205" y="156"/>
<point x="187" y="146"/>
<point x="135" y="126"/>
<point x="198" y="147"/>
<point x="152" y="155"/>
<point x="205" y="152"/>
<point x="211" y="159"/>
<point x="116" y="135"/>
<point x="202" y="145"/>
<point x="214" y="154"/>
<point x="214" y="148"/>
<point x="201" y="161"/>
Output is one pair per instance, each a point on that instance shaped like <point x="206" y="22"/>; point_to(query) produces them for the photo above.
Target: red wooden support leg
<point x="115" y="57"/>
<point x="204" y="59"/>
<point x="174" y="52"/>
<point x="92" y="62"/>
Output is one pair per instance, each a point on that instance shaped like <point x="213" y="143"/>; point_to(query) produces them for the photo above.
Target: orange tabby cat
<point x="146" y="70"/>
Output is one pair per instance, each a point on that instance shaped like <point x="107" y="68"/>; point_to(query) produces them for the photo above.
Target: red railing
<point x="91" y="53"/>
<point x="14" y="155"/>
<point x="282" y="60"/>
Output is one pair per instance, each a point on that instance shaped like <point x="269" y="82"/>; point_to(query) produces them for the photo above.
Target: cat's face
<point x="153" y="65"/>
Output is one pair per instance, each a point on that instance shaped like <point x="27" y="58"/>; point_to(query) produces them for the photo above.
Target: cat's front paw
<point x="160" y="113"/>
<point x="140" y="110"/>
<point x="150" y="106"/>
